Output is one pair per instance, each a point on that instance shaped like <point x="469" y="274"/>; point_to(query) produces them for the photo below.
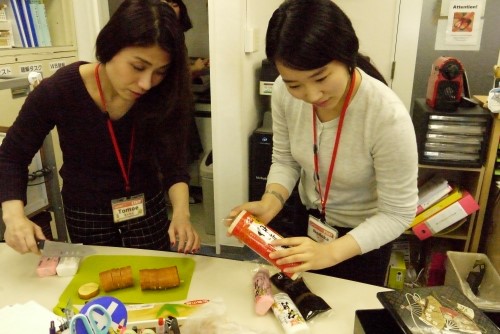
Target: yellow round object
<point x="88" y="290"/>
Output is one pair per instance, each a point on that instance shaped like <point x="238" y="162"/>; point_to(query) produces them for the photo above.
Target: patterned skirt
<point x="96" y="226"/>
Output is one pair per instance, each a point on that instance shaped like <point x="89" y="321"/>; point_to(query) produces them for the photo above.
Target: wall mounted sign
<point x="460" y="25"/>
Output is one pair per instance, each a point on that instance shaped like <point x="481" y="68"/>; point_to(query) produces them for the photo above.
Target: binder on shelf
<point x="28" y="19"/>
<point x="37" y="23"/>
<point x="11" y="20"/>
<point x="42" y="14"/>
<point x="446" y="217"/>
<point x="445" y="201"/>
<point x="432" y="191"/>
<point x="18" y="22"/>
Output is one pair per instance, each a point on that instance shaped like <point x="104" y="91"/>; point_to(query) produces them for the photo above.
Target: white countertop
<point x="213" y="278"/>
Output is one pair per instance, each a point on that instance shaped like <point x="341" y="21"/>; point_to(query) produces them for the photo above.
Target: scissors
<point x="94" y="322"/>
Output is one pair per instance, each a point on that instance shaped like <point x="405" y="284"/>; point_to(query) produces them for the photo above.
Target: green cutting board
<point x="91" y="266"/>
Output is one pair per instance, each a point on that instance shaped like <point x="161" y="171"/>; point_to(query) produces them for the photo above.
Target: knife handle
<point x="40" y="244"/>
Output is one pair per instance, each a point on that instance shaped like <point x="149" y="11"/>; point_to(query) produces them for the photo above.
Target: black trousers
<point x="367" y="268"/>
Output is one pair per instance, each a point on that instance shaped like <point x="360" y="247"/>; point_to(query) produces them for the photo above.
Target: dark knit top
<point x="90" y="171"/>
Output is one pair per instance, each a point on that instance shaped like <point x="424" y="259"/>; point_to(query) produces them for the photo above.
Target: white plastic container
<point x="458" y="267"/>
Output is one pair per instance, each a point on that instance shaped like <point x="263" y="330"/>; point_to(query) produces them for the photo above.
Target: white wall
<point x="374" y="23"/>
<point x="406" y="49"/>
<point x="235" y="111"/>
<point x="90" y="16"/>
<point x="388" y="32"/>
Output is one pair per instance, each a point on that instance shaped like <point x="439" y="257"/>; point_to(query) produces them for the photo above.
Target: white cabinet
<point x="20" y="65"/>
<point x="45" y="60"/>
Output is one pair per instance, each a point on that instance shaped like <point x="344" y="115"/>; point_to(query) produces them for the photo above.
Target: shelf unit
<point x="19" y="62"/>
<point x="46" y="60"/>
<point x="61" y="27"/>
<point x="470" y="179"/>
<point x="464" y="235"/>
<point x="15" y="61"/>
<point x="489" y="166"/>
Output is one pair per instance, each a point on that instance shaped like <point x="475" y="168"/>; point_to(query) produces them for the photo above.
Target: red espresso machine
<point x="446" y="84"/>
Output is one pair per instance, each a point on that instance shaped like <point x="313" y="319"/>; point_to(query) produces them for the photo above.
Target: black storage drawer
<point x="451" y="138"/>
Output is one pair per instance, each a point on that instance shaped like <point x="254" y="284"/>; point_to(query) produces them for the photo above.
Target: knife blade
<point x="51" y="248"/>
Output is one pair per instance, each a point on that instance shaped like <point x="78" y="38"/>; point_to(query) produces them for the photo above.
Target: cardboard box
<point x="458" y="267"/>
<point x="396" y="271"/>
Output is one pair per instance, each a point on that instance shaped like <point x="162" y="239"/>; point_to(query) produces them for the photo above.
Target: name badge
<point x="127" y="208"/>
<point x="319" y="231"/>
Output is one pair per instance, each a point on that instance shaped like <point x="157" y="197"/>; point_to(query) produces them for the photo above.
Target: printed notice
<point x="35" y="67"/>
<point x="5" y="71"/>
<point x="464" y="22"/>
<point x="54" y="66"/>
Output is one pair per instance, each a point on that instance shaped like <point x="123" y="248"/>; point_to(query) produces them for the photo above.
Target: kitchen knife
<point x="61" y="249"/>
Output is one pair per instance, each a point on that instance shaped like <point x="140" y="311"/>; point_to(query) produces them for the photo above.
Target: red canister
<point x="249" y="230"/>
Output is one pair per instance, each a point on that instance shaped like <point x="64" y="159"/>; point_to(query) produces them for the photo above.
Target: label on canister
<point x="249" y="230"/>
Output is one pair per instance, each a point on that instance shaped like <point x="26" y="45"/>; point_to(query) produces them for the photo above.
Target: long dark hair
<point x="309" y="34"/>
<point x="184" y="18"/>
<point x="147" y="23"/>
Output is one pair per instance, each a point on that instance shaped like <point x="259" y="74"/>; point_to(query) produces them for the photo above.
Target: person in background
<point x="198" y="65"/>
<point x="346" y="137"/>
<point x="123" y="126"/>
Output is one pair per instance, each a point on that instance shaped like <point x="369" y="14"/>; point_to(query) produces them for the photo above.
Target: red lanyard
<point x="125" y="174"/>
<point x="335" y="149"/>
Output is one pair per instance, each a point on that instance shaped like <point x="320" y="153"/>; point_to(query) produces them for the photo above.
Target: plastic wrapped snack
<point x="262" y="291"/>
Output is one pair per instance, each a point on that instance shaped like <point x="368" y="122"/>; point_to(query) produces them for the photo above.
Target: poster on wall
<point x="464" y="26"/>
